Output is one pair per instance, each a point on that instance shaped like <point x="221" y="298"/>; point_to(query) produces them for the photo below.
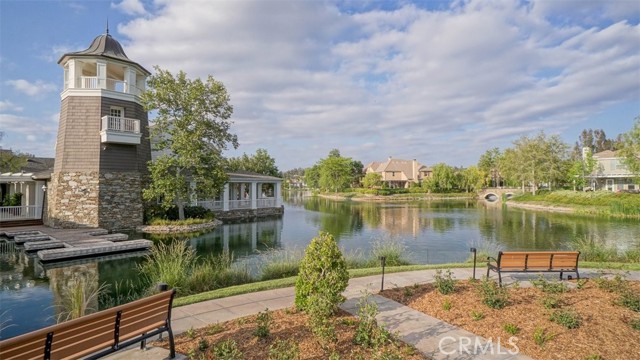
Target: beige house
<point x="399" y="173"/>
<point x="611" y="173"/>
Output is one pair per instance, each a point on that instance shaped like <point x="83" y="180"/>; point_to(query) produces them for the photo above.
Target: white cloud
<point x="32" y="89"/>
<point x="437" y="85"/>
<point x="27" y="134"/>
<point x="130" y="7"/>
<point x="9" y="106"/>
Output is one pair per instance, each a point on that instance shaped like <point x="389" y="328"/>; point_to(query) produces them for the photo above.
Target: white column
<point x="225" y="198"/>
<point x="101" y="73"/>
<point x="130" y="80"/>
<point x="254" y="195"/>
<point x="277" y="192"/>
<point x="71" y="78"/>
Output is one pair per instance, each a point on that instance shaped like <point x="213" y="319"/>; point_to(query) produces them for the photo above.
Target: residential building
<point x="611" y="173"/>
<point x="399" y="173"/>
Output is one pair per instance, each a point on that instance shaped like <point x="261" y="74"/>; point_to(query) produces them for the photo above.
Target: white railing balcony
<point x="120" y="130"/>
<point x="266" y="203"/>
<point x="9" y="213"/>
<point x="211" y="204"/>
<point x="94" y="82"/>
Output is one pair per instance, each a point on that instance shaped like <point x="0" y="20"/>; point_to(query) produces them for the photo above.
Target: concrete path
<point x="434" y="338"/>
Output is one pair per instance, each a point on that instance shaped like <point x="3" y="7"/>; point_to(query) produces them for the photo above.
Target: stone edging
<point x="166" y="229"/>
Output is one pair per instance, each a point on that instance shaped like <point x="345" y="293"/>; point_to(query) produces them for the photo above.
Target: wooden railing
<point x="121" y="124"/>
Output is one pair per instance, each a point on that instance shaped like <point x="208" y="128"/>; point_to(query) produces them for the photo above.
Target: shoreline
<point x="382" y="198"/>
<point x="551" y="208"/>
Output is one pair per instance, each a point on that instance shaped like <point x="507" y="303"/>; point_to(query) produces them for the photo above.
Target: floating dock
<point x="65" y="244"/>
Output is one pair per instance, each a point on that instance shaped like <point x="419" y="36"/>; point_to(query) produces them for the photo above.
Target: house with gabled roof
<point x="611" y="174"/>
<point x="399" y="173"/>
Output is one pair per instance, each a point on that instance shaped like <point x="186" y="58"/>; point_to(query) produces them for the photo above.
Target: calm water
<point x="433" y="232"/>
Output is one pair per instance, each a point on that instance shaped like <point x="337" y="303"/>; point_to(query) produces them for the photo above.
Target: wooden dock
<point x="65" y="244"/>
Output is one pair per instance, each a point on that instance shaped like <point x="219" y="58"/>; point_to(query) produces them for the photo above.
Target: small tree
<point x="191" y="130"/>
<point x="261" y="162"/>
<point x="372" y="180"/>
<point x="323" y="273"/>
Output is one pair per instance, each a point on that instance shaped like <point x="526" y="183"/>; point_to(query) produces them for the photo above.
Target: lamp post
<point x="44" y="201"/>
<point x="473" y="250"/>
<point x="383" y="262"/>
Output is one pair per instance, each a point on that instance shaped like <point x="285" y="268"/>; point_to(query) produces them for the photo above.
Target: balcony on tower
<point x="120" y="130"/>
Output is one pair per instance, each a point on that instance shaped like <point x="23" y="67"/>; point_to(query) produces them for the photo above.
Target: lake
<point x="433" y="232"/>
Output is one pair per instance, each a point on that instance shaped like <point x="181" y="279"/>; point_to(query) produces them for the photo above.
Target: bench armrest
<point x="489" y="258"/>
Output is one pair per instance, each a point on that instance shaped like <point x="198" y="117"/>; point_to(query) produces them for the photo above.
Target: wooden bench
<point x="534" y="261"/>
<point x="98" y="334"/>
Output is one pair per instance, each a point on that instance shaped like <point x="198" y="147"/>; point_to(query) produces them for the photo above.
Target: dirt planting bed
<point x="605" y="329"/>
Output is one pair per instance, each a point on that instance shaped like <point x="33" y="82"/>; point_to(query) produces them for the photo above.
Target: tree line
<point x="531" y="162"/>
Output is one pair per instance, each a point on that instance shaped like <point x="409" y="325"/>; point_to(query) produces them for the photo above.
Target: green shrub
<point x="227" y="350"/>
<point x="630" y="299"/>
<point x="284" y="350"/>
<point x="541" y="336"/>
<point x="476" y="315"/>
<point x="155" y="211"/>
<point x="170" y="264"/>
<point x="594" y="357"/>
<point x="281" y="264"/>
<point x="320" y="309"/>
<point x="566" y="317"/>
<point x="549" y="287"/>
<point x="203" y="345"/>
<point x="444" y="282"/>
<point x="611" y="285"/>
<point x="263" y="321"/>
<point x="511" y="329"/>
<point x="594" y="249"/>
<point x="492" y="294"/>
<point x="635" y="324"/>
<point x="368" y="333"/>
<point x="446" y="305"/>
<point x="323" y="273"/>
<point x="392" y="248"/>
<point x="550" y="302"/>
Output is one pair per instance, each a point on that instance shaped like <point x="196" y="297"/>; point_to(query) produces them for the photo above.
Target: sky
<point x="436" y="81"/>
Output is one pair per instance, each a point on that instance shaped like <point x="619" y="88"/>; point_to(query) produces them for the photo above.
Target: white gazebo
<point x="249" y="191"/>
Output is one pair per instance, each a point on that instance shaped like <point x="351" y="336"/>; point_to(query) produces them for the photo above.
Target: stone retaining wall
<point x="247" y="214"/>
<point x="166" y="229"/>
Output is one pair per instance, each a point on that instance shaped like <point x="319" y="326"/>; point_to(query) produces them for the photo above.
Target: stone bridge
<point x="496" y="194"/>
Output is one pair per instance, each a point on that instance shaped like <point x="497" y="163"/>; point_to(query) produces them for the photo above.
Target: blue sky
<point x="438" y="81"/>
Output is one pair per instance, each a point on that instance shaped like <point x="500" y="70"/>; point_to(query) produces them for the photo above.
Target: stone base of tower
<point x="110" y="200"/>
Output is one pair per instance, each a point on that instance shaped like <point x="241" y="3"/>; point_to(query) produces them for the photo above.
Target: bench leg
<point x="499" y="279"/>
<point x="172" y="345"/>
<point x="577" y="274"/>
<point x="488" y="269"/>
<point x="560" y="275"/>
<point x="143" y="344"/>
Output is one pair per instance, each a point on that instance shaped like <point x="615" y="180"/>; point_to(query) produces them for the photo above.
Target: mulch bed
<point x="287" y="324"/>
<point x="604" y="329"/>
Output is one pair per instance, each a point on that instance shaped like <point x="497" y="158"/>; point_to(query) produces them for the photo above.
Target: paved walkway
<point x="434" y="338"/>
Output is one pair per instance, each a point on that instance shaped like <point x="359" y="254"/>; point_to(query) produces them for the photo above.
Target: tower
<point x="103" y="146"/>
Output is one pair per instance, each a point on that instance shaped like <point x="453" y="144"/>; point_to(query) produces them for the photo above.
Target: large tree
<point x="631" y="149"/>
<point x="443" y="179"/>
<point x="190" y="131"/>
<point x="489" y="165"/>
<point x="261" y="162"/>
<point x="535" y="160"/>
<point x="336" y="172"/>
